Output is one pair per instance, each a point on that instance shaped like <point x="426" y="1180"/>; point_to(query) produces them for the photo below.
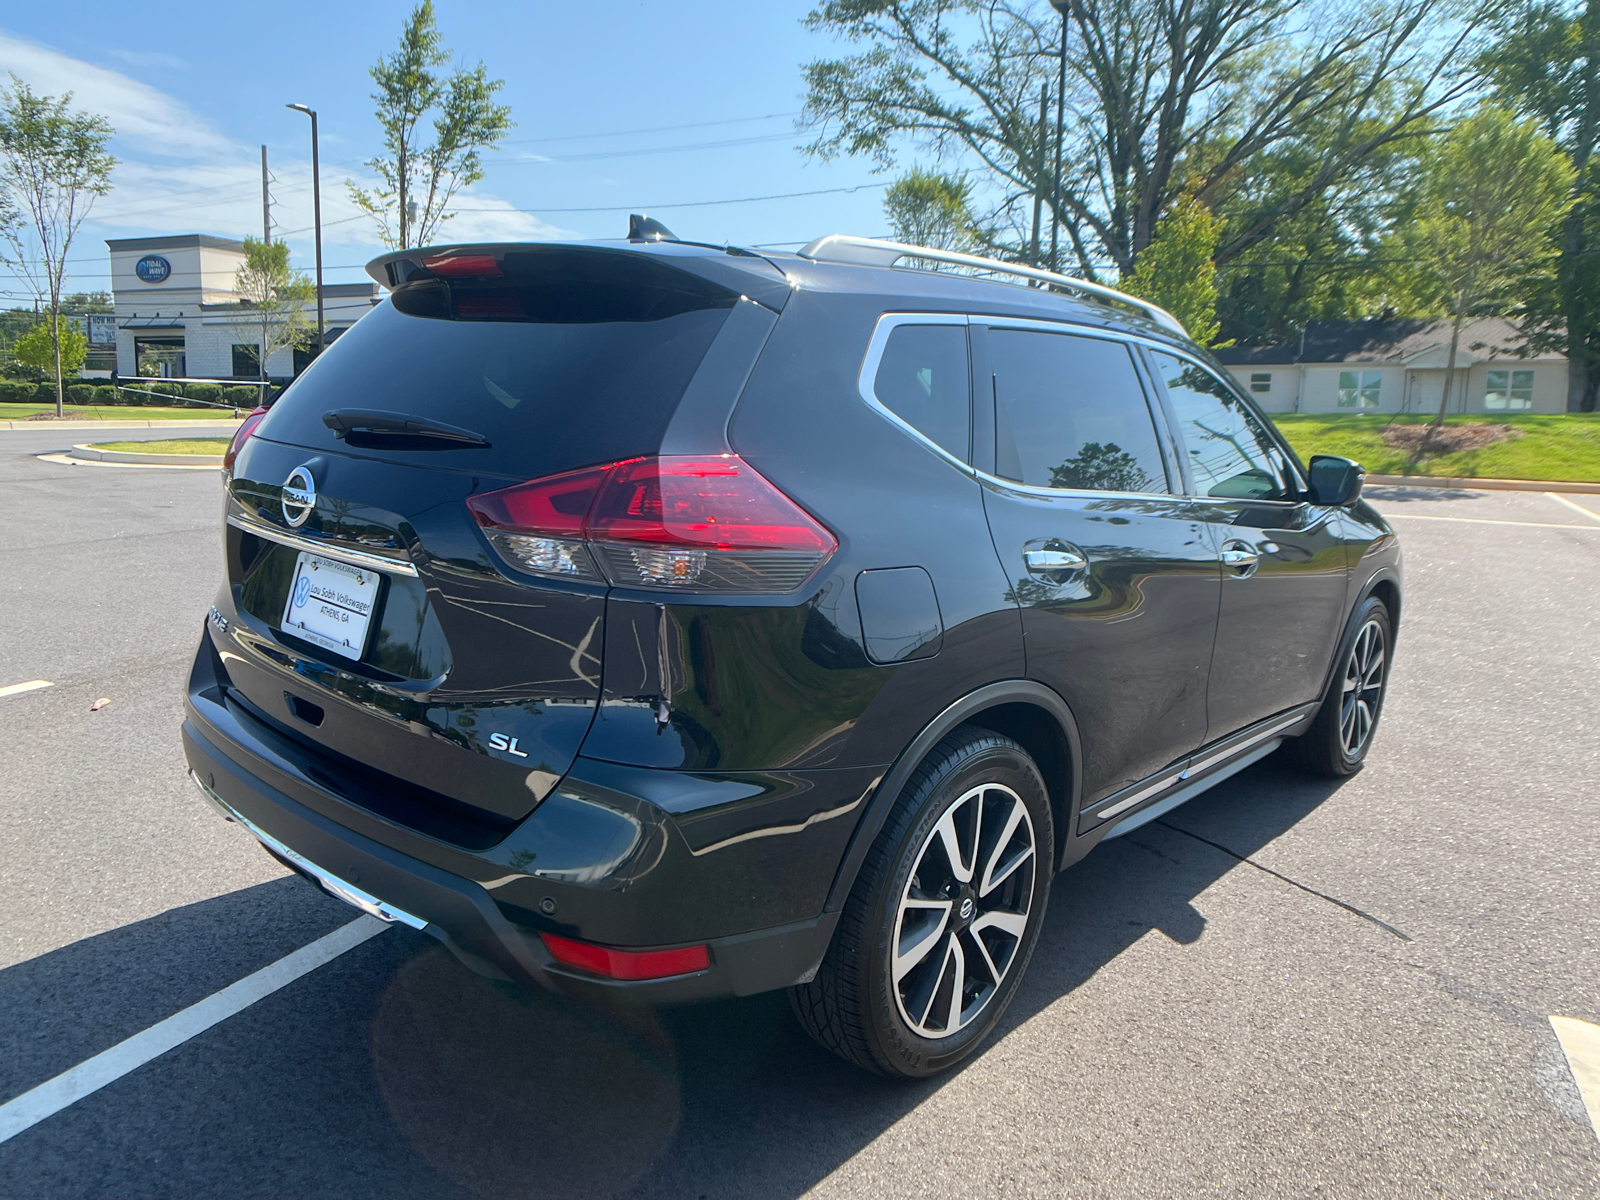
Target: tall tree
<point x="276" y="296"/>
<point x="1495" y="190"/>
<point x="41" y="352"/>
<point x="53" y="164"/>
<point x="1176" y="269"/>
<point x="418" y="180"/>
<point x="1546" y="65"/>
<point x="1161" y="96"/>
<point x="928" y="209"/>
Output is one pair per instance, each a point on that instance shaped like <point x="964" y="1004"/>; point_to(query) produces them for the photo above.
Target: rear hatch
<point x="375" y="622"/>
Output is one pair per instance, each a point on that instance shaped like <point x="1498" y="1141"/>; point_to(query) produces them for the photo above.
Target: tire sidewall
<point x="903" y="1051"/>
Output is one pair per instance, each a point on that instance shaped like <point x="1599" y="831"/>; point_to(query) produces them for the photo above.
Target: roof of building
<point x="1396" y="341"/>
<point x="182" y="241"/>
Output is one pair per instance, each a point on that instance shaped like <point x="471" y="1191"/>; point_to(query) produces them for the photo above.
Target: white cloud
<point x="149" y="58"/>
<point x="138" y="112"/>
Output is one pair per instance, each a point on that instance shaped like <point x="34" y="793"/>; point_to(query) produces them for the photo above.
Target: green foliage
<point x="104" y="394"/>
<point x="203" y="391"/>
<point x="241" y="397"/>
<point x="1559" y="446"/>
<point x="417" y="181"/>
<point x="276" y="297"/>
<point x="15" y="393"/>
<point x="1176" y="270"/>
<point x="928" y="209"/>
<point x="37" y="351"/>
<point x="158" y="395"/>
<point x="80" y="394"/>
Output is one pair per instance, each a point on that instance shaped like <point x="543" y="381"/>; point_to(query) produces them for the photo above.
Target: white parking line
<point x="16" y="689"/>
<point x="1574" y="506"/>
<point x="1484" y="521"/>
<point x="1580" y="1041"/>
<point x="50" y="1097"/>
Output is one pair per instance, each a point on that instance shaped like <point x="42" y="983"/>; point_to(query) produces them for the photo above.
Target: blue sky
<point x="634" y="105"/>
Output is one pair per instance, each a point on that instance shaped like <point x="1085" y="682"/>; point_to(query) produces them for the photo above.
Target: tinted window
<point x="1230" y="454"/>
<point x="922" y="379"/>
<point x="577" y="362"/>
<point x="1069" y="413"/>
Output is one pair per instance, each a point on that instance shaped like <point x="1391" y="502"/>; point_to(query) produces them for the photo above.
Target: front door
<point x="1115" y="574"/>
<point x="1284" y="566"/>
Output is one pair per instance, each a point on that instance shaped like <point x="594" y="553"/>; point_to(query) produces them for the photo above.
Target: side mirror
<point x="1335" y="480"/>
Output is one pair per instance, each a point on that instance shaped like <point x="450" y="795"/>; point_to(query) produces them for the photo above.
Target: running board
<point x="1145" y="815"/>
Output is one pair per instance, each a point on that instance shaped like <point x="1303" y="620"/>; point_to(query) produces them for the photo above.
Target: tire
<point x="1337" y="742"/>
<point x="897" y="1017"/>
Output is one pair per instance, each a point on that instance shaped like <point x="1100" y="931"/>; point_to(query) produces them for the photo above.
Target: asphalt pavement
<point x="1287" y="987"/>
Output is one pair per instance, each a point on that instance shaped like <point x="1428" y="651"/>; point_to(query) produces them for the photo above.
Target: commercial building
<point x="1399" y="366"/>
<point x="178" y="311"/>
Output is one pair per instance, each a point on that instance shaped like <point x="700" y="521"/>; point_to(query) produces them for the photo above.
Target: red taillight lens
<point x="462" y="264"/>
<point x="242" y="435"/>
<point x="665" y="521"/>
<point x="626" y="964"/>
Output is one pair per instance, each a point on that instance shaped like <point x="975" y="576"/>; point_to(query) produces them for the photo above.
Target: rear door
<point x="1284" y="572"/>
<point x="1115" y="574"/>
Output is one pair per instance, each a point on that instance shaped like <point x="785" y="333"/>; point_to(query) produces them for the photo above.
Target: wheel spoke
<point x="992" y="878"/>
<point x="907" y="957"/>
<point x="988" y="960"/>
<point x="957" y="963"/>
<point x="1006" y="922"/>
<point x="960" y="866"/>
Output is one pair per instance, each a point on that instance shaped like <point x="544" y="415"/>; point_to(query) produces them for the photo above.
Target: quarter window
<point x="922" y="379"/>
<point x="1509" y="390"/>
<point x="1360" y="389"/>
<point x="1231" y="456"/>
<point x="1070" y="413"/>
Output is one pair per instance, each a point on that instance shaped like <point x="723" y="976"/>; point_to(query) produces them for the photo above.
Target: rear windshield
<point x="566" y="359"/>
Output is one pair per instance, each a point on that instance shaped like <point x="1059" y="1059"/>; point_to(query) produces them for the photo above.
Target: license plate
<point x="330" y="604"/>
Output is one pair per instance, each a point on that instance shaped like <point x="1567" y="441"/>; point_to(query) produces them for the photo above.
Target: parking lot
<point x="1287" y="987"/>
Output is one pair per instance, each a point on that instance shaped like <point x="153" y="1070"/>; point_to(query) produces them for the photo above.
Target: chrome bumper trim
<point x="331" y="883"/>
<point x="356" y="558"/>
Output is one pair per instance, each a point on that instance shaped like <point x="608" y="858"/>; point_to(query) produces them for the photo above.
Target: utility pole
<point x="266" y="209"/>
<point x="1038" y="172"/>
<point x="1064" y="7"/>
<point x="316" y="213"/>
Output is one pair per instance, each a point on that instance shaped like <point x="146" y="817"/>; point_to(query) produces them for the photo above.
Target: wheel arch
<point x="1030" y="714"/>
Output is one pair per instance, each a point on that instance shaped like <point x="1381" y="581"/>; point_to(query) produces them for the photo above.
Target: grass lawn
<point x="120" y="412"/>
<point x="169" y="446"/>
<point x="1558" y="446"/>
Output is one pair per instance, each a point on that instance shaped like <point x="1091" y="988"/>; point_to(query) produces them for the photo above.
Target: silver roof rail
<point x="875" y="252"/>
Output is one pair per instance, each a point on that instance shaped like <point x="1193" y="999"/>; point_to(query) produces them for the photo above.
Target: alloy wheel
<point x="1363" y="688"/>
<point x="963" y="913"/>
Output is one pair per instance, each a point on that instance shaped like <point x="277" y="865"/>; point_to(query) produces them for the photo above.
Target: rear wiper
<point x="372" y="427"/>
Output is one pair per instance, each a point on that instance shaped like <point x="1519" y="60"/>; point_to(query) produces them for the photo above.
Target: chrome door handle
<point x="1040" y="562"/>
<point x="1240" y="558"/>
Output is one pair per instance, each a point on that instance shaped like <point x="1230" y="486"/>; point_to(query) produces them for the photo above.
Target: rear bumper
<point x="480" y="903"/>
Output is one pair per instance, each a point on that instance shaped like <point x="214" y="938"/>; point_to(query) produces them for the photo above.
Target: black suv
<point x="653" y="619"/>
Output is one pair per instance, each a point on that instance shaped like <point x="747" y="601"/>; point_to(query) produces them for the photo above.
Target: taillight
<point x="462" y="264"/>
<point x="681" y="522"/>
<point x="241" y="436"/>
<point x="626" y="964"/>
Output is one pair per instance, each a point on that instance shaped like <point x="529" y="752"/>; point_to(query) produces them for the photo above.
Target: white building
<point x="1389" y="366"/>
<point x="175" y="303"/>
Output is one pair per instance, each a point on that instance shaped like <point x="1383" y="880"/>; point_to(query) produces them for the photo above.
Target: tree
<point x="1160" y="97"/>
<point x="41" y="353"/>
<point x="1495" y="190"/>
<point x="417" y="182"/>
<point x="275" y="295"/>
<point x="53" y="164"/>
<point x="1546" y="65"/>
<point x="1176" y="270"/>
<point x="928" y="209"/>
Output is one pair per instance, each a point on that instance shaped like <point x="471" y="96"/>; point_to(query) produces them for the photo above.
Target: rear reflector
<point x="241" y="436"/>
<point x="683" y="522"/>
<point x="626" y="964"/>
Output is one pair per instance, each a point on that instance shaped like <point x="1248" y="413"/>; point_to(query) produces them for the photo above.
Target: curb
<point x="95" y="454"/>
<point x="1485" y="485"/>
<point x="46" y="426"/>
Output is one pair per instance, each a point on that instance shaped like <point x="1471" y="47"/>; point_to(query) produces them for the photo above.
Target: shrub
<point x="80" y="394"/>
<point x="163" y="394"/>
<point x="104" y="394"/>
<point x="44" y="393"/>
<point x="240" y="397"/>
<point x="15" y="393"/>
<point x="203" y="391"/>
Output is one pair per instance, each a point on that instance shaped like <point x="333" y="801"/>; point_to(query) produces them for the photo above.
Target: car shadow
<point x="1401" y="494"/>
<point x="395" y="1070"/>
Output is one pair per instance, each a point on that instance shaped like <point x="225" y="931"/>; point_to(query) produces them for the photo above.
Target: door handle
<point x="1241" y="558"/>
<point x="1054" y="562"/>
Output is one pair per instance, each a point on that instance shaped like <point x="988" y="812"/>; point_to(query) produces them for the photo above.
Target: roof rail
<point x="875" y="252"/>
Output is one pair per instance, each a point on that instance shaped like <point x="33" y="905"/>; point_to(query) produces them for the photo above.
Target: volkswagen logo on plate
<point x="299" y="497"/>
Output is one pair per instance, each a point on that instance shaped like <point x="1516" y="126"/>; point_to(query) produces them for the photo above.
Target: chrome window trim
<point x="886" y="325"/>
<point x="356" y="558"/>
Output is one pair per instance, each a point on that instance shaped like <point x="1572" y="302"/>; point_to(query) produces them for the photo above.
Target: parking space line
<point x="1580" y="1042"/>
<point x="1484" y="521"/>
<point x="1574" y="506"/>
<point x="16" y="689"/>
<point x="66" y="1089"/>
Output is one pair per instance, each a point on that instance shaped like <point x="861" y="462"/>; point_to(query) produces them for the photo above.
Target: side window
<point x="1230" y="454"/>
<point x="922" y="379"/>
<point x="1070" y="413"/>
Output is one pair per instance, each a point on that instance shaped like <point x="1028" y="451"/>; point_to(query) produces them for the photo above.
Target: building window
<point x="246" y="363"/>
<point x="1360" y="389"/>
<point x="1509" y="390"/>
<point x="1261" y="382"/>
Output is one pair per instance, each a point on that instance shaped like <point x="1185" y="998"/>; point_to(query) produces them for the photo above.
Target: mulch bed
<point x="1447" y="439"/>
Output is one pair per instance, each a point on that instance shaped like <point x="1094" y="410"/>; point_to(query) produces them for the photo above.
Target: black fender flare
<point x="1384" y="574"/>
<point x="884" y="795"/>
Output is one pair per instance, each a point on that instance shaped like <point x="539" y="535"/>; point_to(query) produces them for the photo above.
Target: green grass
<point x="91" y="412"/>
<point x="1558" y="446"/>
<point x="169" y="446"/>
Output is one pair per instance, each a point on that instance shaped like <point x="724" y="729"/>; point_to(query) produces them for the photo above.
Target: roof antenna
<point x="647" y="229"/>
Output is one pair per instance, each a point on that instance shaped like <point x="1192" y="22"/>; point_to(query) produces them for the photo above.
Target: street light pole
<point x="1064" y="7"/>
<point x="316" y="210"/>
